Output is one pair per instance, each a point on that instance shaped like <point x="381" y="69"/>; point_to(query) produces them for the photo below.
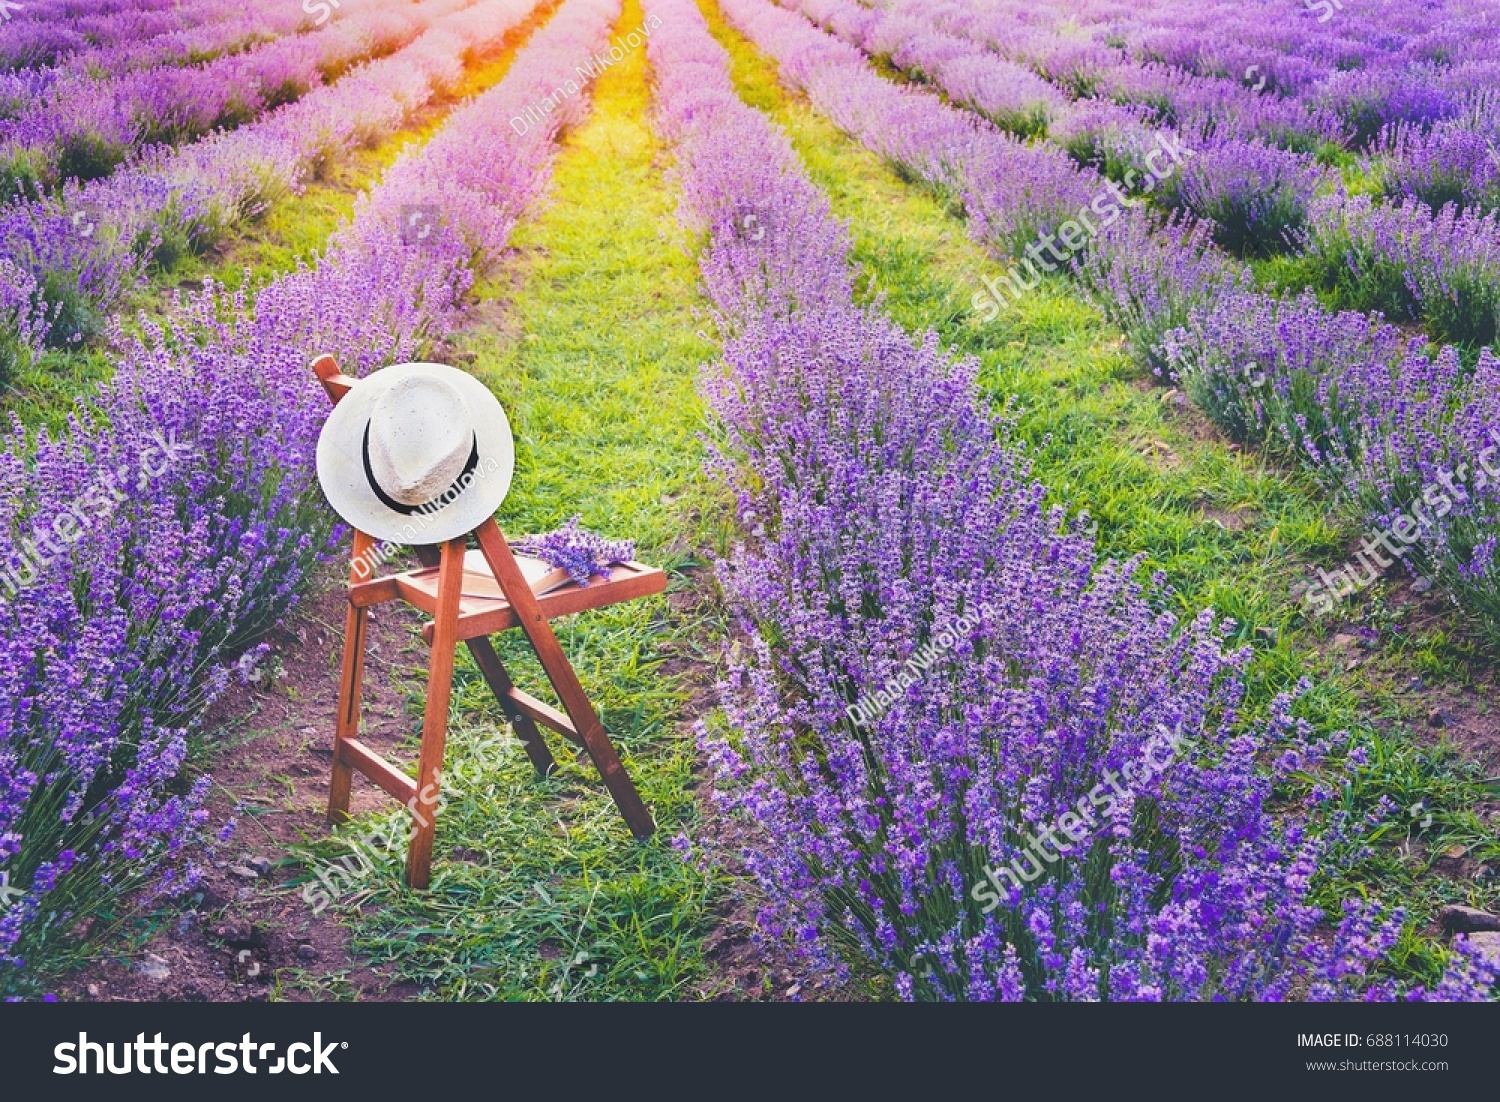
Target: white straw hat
<point x="417" y="453"/>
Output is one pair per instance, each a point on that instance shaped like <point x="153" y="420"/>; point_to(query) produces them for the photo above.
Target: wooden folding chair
<point x="438" y="589"/>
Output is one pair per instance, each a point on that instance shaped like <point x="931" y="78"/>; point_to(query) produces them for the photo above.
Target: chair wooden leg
<point x="423" y="806"/>
<point x="602" y="751"/>
<point x="351" y="690"/>
<point x="498" y="679"/>
<point x="347" y="726"/>
<point x="564" y="681"/>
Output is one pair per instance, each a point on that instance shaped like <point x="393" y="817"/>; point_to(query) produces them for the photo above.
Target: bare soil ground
<point x="243" y="935"/>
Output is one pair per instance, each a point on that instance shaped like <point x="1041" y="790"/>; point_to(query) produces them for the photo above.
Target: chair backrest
<point x="335" y="383"/>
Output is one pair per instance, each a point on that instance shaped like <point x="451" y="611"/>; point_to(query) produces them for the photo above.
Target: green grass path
<point x="590" y="340"/>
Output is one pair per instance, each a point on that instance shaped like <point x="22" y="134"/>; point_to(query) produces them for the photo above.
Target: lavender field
<point x="1070" y="431"/>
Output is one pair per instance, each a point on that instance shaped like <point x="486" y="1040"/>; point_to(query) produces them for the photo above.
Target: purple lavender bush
<point x="1011" y="96"/>
<point x="87" y="246"/>
<point x="1055" y="676"/>
<point x="1279" y="372"/>
<point x="1107" y="137"/>
<point x="1455" y="162"/>
<point x="23" y="320"/>
<point x="1150" y="277"/>
<point x="1012" y="192"/>
<point x="101" y="680"/>
<point x="1254" y="196"/>
<point x="1429" y="472"/>
<point x="1352" y="248"/>
<point x="77" y="271"/>
<point x="84" y="126"/>
<point x="1408" y="262"/>
<point x="1368" y="100"/>
<point x="98" y="33"/>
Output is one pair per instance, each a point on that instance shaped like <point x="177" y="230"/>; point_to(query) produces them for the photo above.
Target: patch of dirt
<point x="244" y="926"/>
<point x="1179" y="412"/>
<point x="1231" y="520"/>
<point x="1466" y="714"/>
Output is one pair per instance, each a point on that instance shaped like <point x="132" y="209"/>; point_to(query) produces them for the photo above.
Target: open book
<point x="541" y="576"/>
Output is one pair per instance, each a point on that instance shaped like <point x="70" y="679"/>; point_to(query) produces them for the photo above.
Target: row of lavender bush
<point x="82" y="127"/>
<point x="889" y="520"/>
<point x="47" y="33"/>
<point x="191" y="32"/>
<point x="1332" y="388"/>
<point x="21" y="88"/>
<point x="1202" y="67"/>
<point x="72" y="257"/>
<point x="1432" y="256"/>
<point x="1401" y="430"/>
<point x="118" y="642"/>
